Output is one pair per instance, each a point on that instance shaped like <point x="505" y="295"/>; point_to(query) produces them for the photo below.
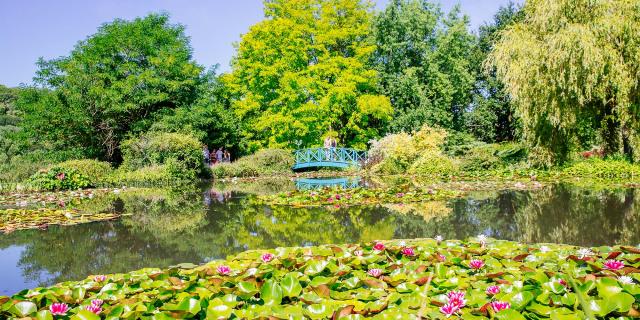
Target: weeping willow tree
<point x="571" y="62"/>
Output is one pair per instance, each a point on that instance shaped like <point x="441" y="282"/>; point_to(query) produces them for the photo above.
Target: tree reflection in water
<point x="168" y="227"/>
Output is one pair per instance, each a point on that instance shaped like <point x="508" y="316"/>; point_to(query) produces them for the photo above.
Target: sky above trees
<point x="37" y="28"/>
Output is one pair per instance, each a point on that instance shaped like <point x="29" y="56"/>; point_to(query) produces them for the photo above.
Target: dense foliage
<point x="570" y="64"/>
<point x="477" y="279"/>
<point x="180" y="154"/>
<point x="116" y="82"/>
<point x="303" y="73"/>
<point x="264" y="162"/>
<point x="424" y="58"/>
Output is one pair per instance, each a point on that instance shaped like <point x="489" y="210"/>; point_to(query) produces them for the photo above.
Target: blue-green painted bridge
<point x="315" y="158"/>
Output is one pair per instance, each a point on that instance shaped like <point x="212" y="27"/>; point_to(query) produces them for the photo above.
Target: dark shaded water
<point x="170" y="227"/>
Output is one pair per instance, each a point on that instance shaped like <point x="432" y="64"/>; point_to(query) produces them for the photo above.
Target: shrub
<point x="480" y="158"/>
<point x="58" y="178"/>
<point x="179" y="154"/>
<point x="396" y="153"/>
<point x="94" y="170"/>
<point x="459" y="143"/>
<point x="596" y="167"/>
<point x="151" y="175"/>
<point x="434" y="164"/>
<point x="261" y="163"/>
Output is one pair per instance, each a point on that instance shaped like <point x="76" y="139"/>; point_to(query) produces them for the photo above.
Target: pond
<point x="167" y="227"/>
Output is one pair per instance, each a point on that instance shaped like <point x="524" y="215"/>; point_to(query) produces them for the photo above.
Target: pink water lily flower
<point x="93" y="308"/>
<point x="378" y="246"/>
<point x="329" y="199"/>
<point x="59" y="309"/>
<point x="563" y="282"/>
<point x="375" y="273"/>
<point x="267" y="257"/>
<point x="400" y="195"/>
<point x="449" y="309"/>
<point x="457" y="299"/>
<point x="408" y="251"/>
<point x="493" y="290"/>
<point x="613" y="265"/>
<point x="337" y="196"/>
<point x="442" y="257"/>
<point x="97" y="302"/>
<point x="99" y="278"/>
<point x="223" y="270"/>
<point x="500" y="305"/>
<point x="476" y="264"/>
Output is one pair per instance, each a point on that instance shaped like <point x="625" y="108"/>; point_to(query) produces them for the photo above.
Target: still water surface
<point x="170" y="227"/>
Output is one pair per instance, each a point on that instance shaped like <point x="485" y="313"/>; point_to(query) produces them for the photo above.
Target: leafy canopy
<point x="114" y="83"/>
<point x="303" y="73"/>
<point x="424" y="61"/>
<point x="571" y="60"/>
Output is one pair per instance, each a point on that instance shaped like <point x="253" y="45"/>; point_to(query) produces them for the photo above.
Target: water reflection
<point x="167" y="227"/>
<point x="329" y="182"/>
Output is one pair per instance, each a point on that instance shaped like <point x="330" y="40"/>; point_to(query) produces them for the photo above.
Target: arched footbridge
<point x="314" y="158"/>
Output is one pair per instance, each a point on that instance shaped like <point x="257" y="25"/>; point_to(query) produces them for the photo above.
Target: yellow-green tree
<point x="303" y="73"/>
<point x="570" y="62"/>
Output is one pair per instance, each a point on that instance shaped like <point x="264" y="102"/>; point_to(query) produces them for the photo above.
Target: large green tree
<point x="571" y="60"/>
<point x="9" y="120"/>
<point x="209" y="118"/>
<point x="424" y="60"/>
<point x="492" y="116"/>
<point x="114" y="83"/>
<point x="303" y="73"/>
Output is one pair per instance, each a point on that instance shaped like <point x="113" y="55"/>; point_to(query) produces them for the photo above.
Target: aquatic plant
<point x="329" y="281"/>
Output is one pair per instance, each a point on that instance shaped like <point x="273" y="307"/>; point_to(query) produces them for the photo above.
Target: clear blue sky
<point x="50" y="28"/>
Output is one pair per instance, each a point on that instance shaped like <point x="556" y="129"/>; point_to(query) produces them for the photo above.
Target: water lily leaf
<point x="218" y="309"/>
<point x="318" y="311"/>
<point x="519" y="300"/>
<point x="315" y="267"/>
<point x="44" y="315"/>
<point x="85" y="315"/>
<point x="246" y="289"/>
<point x="509" y="314"/>
<point x="291" y="286"/>
<point x="622" y="301"/>
<point x="23" y="308"/>
<point x="607" y="287"/>
<point x="271" y="292"/>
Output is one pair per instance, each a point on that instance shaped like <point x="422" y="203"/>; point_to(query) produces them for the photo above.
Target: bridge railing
<point x="343" y="155"/>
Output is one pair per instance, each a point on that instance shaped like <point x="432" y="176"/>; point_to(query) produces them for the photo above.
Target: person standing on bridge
<point x="327" y="147"/>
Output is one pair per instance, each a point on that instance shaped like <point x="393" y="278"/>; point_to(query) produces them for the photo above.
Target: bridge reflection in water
<point x="318" y="183"/>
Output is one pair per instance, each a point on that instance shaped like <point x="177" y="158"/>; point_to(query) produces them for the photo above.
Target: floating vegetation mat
<point x="414" y="279"/>
<point x="17" y="219"/>
<point x="393" y="194"/>
<point x="56" y="198"/>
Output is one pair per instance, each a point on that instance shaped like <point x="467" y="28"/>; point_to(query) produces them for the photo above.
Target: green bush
<point x="457" y="144"/>
<point x="262" y="163"/>
<point x="147" y="176"/>
<point x="180" y="155"/>
<point x="94" y="170"/>
<point x="58" y="178"/>
<point x="434" y="164"/>
<point x="603" y="168"/>
<point x="479" y="159"/>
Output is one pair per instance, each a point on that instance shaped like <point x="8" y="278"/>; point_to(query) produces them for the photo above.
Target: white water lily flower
<point x="531" y="258"/>
<point x="583" y="252"/>
<point x="625" y="280"/>
<point x="544" y="249"/>
<point x="252" y="271"/>
<point x="438" y="238"/>
<point x="403" y="243"/>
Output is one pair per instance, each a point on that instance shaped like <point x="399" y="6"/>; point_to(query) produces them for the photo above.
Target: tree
<point x="571" y="60"/>
<point x="114" y="83"/>
<point x="423" y="58"/>
<point x="303" y="73"/>
<point x="492" y="117"/>
<point x="209" y="118"/>
<point x="9" y="121"/>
